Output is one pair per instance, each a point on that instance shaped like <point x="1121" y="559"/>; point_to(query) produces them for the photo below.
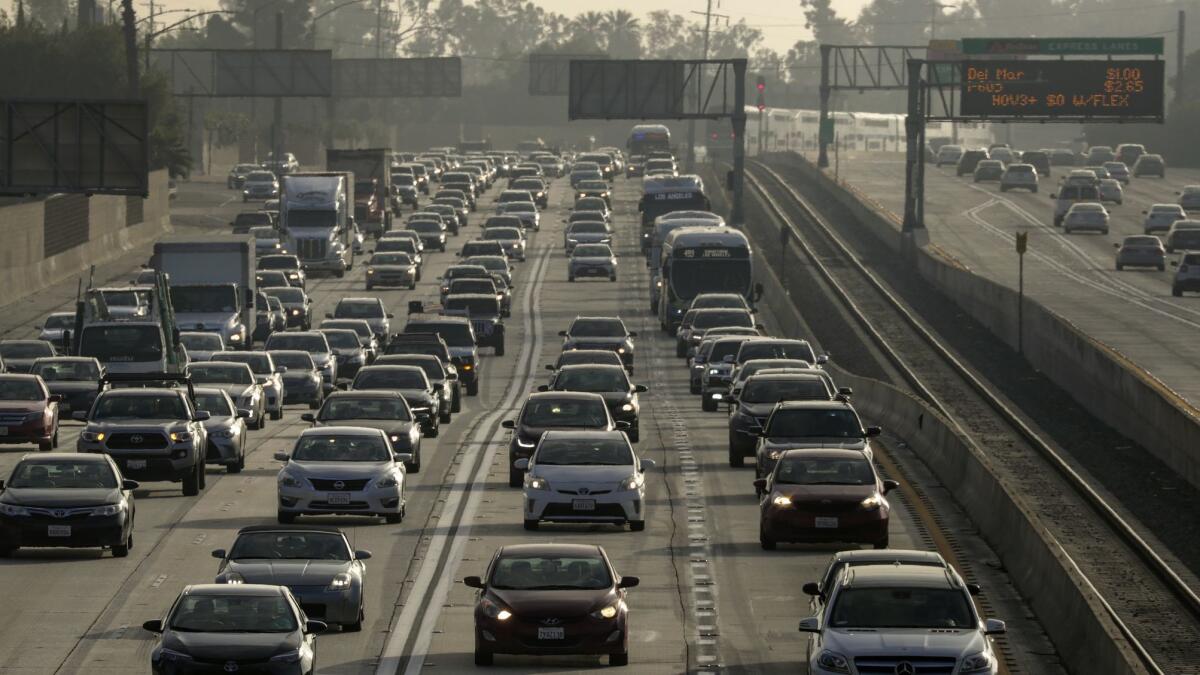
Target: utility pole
<point x="1180" y="56"/>
<point x="379" y="29"/>
<point x="131" y="65"/>
<point x="691" y="128"/>
<point x="277" y="125"/>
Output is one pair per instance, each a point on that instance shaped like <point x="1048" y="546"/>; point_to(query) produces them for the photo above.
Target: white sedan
<point x="1086" y="216"/>
<point x="342" y="470"/>
<point x="585" y="477"/>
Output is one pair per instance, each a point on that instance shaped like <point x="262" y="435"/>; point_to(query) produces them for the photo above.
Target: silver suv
<point x="1187" y="274"/>
<point x="900" y="619"/>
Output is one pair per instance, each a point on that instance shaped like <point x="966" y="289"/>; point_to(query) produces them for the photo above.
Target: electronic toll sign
<point x="1047" y="89"/>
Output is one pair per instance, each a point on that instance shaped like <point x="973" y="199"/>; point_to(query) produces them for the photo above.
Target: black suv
<point x="968" y="161"/>
<point x="484" y="313"/>
<point x="459" y="339"/>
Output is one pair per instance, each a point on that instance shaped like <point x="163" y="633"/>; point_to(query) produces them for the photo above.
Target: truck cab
<point x="317" y="220"/>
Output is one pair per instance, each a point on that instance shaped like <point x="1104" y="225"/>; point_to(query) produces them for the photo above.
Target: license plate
<point x="58" y="530"/>
<point x="583" y="504"/>
<point x="555" y="633"/>
<point x="135" y="464"/>
<point x="826" y="523"/>
<point x="339" y="498"/>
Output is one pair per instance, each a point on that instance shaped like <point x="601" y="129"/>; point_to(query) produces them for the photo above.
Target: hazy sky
<point x="782" y="22"/>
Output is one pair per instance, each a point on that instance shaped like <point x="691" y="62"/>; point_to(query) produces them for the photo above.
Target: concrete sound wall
<point x="1110" y="386"/>
<point x="101" y="228"/>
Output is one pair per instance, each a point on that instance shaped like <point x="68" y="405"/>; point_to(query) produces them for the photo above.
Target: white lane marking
<point x="427" y="614"/>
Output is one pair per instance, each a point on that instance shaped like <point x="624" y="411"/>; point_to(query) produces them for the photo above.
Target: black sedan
<point x="544" y="411"/>
<point x="612" y="383"/>
<point x="384" y="410"/>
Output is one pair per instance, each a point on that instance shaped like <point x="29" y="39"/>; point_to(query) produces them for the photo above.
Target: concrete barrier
<point x="111" y="230"/>
<point x="1109" y="385"/>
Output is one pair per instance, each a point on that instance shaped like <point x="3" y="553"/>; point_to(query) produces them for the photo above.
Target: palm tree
<point x="623" y="32"/>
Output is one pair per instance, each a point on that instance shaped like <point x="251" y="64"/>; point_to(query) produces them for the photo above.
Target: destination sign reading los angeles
<point x="1090" y="88"/>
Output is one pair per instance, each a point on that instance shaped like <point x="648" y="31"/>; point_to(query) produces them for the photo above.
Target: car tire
<point x="357" y="625"/>
<point x="1162" y="268"/>
<point x="444" y="416"/>
<point x="613" y="278"/>
<point x="500" y="349"/>
<point x="285" y="518"/>
<point x="7" y="551"/>
<point x="693" y="388"/>
<point x="237" y="466"/>
<point x="483" y="658"/>
<point x="412" y="285"/>
<point x="707" y="404"/>
<point x="191" y="484"/>
<point x="473" y="388"/>
<point x="637" y="525"/>
<point x="1104" y="231"/>
<point x="680" y="349"/>
<point x="881" y="544"/>
<point x="369" y="286"/>
<point x="456" y="402"/>
<point x="434" y="430"/>
<point x="1176" y="291"/>
<point x="277" y="415"/>
<point x="1120" y="267"/>
<point x="530" y="525"/>
<point x="736" y="459"/>
<point x="415" y="465"/>
<point x="45" y="446"/>
<point x="767" y="543"/>
<point x="516" y="477"/>
<point x="122" y="550"/>
<point x="393" y="518"/>
<point x="571" y="278"/>
<point x="618" y="659"/>
<point x="634" y="433"/>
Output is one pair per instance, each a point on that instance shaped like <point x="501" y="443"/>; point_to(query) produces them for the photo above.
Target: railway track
<point x="1151" y="605"/>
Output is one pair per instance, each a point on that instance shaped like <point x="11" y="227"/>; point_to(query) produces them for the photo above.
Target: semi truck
<point x="316" y="219"/>
<point x="372" y="180"/>
<point x="211" y="281"/>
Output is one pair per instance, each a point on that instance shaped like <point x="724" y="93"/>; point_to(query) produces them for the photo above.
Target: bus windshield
<point x="690" y="278"/>
<point x="661" y="203"/>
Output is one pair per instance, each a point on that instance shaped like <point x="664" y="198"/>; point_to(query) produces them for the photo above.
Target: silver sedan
<point x="226" y="429"/>
<point x="1141" y="250"/>
<point x="344" y="471"/>
<point x="592" y="260"/>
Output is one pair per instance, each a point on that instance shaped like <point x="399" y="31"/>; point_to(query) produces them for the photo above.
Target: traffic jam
<point x="179" y="373"/>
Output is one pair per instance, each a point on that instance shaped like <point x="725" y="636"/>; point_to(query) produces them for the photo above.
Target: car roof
<point x="581" y="366"/>
<point x="543" y="549"/>
<point x="900" y="575"/>
<point x="341" y="431"/>
<point x="803" y="405"/>
<point x="291" y="528"/>
<point x="76" y="456"/>
<point x="133" y="391"/>
<point x="891" y="555"/>
<point x="419" y="319"/>
<point x="369" y="393"/>
<point x="565" y="395"/>
<point x="212" y="391"/>
<point x="263" y="590"/>
<point x="824" y="453"/>
<point x="591" y="433"/>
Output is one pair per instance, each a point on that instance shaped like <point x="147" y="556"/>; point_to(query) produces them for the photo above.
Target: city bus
<point x="647" y="138"/>
<point x="664" y="194"/>
<point x="697" y="260"/>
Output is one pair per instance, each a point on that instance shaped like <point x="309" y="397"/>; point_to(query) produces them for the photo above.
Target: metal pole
<point x="1180" y="57"/>
<point x="691" y="126"/>
<point x="277" y="125"/>
<point x="736" y="214"/>
<point x="912" y="136"/>
<point x="1021" y="304"/>
<point x="822" y="153"/>
<point x="131" y="64"/>
<point x="760" y="131"/>
<point x="379" y="29"/>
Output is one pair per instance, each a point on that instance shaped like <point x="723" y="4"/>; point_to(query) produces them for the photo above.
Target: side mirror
<point x="1145" y="213"/>
<point x="1053" y="195"/>
<point x="509" y="424"/>
<point x="314" y="627"/>
<point x="646" y="465"/>
<point x="758" y="292"/>
<point x="1174" y="263"/>
<point x="402" y="457"/>
<point x="759" y="326"/>
<point x="629" y="582"/>
<point x="640" y="389"/>
<point x="633" y="333"/>
<point x="308" y="417"/>
<point x="81" y="415"/>
<point x="543" y="387"/>
<point x="562" y="333"/>
<point x="218" y="553"/>
<point x="155" y="626"/>
<point x="1" y="486"/>
<point x="623" y="426"/>
<point x="473" y="582"/>
<point x="810" y="625"/>
<point x="994" y="627"/>
<point x="889" y="485"/>
<point x="521" y="464"/>
<point x="822" y="359"/>
<point x="974" y="589"/>
<point x="202" y="416"/>
<point x="244" y="413"/>
<point x="1117" y="246"/>
<point x="125" y="485"/>
<point x="845" y="392"/>
<point x="282" y="456"/>
<point x="760" y="483"/>
<point x="550" y="367"/>
<point x="811" y="588"/>
<point x="391" y="316"/>
<point x="55" y="398"/>
<point x="873" y="431"/>
<point x="362" y="555"/>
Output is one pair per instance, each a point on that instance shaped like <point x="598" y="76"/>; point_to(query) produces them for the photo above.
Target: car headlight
<point x="521" y="443"/>
<point x="234" y="578"/>
<point x="388" y="481"/>
<point x="292" y="656"/>
<point x="628" y="407"/>
<point x="872" y="503"/>
<point x="180" y="436"/>
<point x="108" y="509"/>
<point x="620" y="350"/>
<point x="977" y="663"/>
<point x="607" y="612"/>
<point x="494" y="610"/>
<point x="833" y="662"/>
<point x="173" y="656"/>
<point x="293" y="275"/>
<point x="287" y="480"/>
<point x="467" y="366"/>
<point x="714" y="371"/>
<point x="536" y="483"/>
<point x="782" y="500"/>
<point x="420" y="409"/>
<point x="236" y="337"/>
<point x="13" y="510"/>
<point x="370" y="271"/>
<point x="630" y="483"/>
<point x="295" y="312"/>
<point x="222" y="433"/>
<point x="93" y="436"/>
<point x="341" y="581"/>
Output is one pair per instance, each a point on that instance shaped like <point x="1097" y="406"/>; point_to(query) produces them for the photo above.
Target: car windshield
<point x="480" y="248"/>
<point x="341" y="448"/>
<point x="278" y="262"/>
<point x="358" y="310"/>
<point x="717" y="301"/>
<point x="488" y="306"/>
<point x="501" y="233"/>
<point x="293" y="296"/>
<point x="501" y="221"/>
<point x="364" y="408"/>
<point x="601" y="379"/>
<point x="593" y="185"/>
<point x="767" y="349"/>
<point x="473" y="286"/>
<point x="608" y="328"/>
<point x="220" y="373"/>
<point x="261" y="176"/>
<point x="293" y="361"/>
<point x="62" y="473"/>
<point x="800" y="470"/>
<point x="60" y="371"/>
<point x="202" y="342"/>
<point x="592" y="251"/>
<point x="690" y="277"/>
<point x="390" y="377"/>
<point x="550" y="573"/>
<point x="425" y="226"/>
<point x="817" y="423"/>
<point x="1142" y="241"/>
<point x="205" y="299"/>
<point x="583" y="452"/>
<point x="260" y="363"/>
<point x="268" y="278"/>
<point x="520" y="207"/>
<point x="313" y="344"/>
<point x="290" y="545"/>
<point x="60" y="321"/>
<point x="25" y="350"/>
<point x="773" y="391"/>
<point x="571" y="413"/>
<point x="342" y="339"/>
<point x="432" y="367"/>
<point x="751" y="367"/>
<point x="262" y="232"/>
<point x="390" y="259"/>
<point x="455" y="334"/>
<point x="125" y="344"/>
<point x="140" y="407"/>
<point x="901" y="608"/>
<point x="587" y="227"/>
<point x="591" y="204"/>
<point x="710" y="318"/>
<point x="216" y="404"/>
<point x="233" y="614"/>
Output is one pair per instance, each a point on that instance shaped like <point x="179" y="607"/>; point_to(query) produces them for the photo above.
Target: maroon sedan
<point x="551" y="599"/>
<point x="824" y="495"/>
<point x="28" y="411"/>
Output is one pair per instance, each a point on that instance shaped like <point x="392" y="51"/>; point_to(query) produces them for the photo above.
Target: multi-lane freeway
<point x="709" y="599"/>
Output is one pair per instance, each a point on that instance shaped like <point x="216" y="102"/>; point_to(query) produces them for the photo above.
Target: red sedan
<point x="824" y="495"/>
<point x="28" y="411"/>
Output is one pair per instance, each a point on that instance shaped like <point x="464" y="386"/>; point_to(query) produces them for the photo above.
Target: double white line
<point x="440" y="565"/>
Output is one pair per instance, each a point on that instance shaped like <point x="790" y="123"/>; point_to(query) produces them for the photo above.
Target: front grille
<point x="921" y="665"/>
<point x="613" y="511"/>
<point x="12" y="419"/>
<point x="347" y="485"/>
<point x="352" y="506"/>
<point x="311" y="249"/>
<point x="586" y="493"/>
<point x="147" y="441"/>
